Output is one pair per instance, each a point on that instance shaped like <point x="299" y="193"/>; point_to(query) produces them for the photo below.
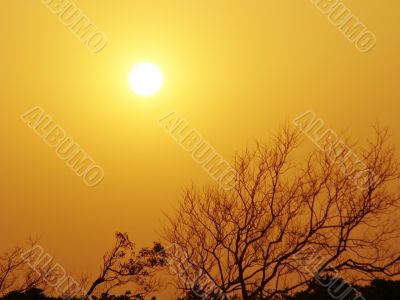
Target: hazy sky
<point x="234" y="69"/>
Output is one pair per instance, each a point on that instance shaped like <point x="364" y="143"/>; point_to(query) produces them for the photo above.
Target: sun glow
<point x="146" y="79"/>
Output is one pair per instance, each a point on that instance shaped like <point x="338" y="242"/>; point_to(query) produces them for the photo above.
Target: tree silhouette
<point x="382" y="290"/>
<point x="378" y="290"/>
<point x="122" y="265"/>
<point x="16" y="274"/>
<point x="287" y="220"/>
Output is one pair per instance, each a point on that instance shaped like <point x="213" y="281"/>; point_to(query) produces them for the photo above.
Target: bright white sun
<point x="146" y="79"/>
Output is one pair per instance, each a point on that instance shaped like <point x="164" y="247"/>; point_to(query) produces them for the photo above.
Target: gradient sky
<point x="234" y="69"/>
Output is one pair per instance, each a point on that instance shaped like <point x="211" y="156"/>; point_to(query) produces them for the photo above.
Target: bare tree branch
<point x="257" y="239"/>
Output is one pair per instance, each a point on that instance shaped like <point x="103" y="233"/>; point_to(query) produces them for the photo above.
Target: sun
<point x="146" y="79"/>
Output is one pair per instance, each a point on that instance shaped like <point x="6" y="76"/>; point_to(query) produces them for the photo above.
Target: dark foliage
<point x="37" y="294"/>
<point x="331" y="288"/>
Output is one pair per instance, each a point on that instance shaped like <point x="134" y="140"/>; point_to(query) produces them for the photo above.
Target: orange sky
<point x="234" y="69"/>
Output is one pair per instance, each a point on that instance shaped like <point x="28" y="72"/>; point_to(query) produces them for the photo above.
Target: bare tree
<point x="16" y="274"/>
<point x="261" y="239"/>
<point x="122" y="266"/>
<point x="10" y="264"/>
